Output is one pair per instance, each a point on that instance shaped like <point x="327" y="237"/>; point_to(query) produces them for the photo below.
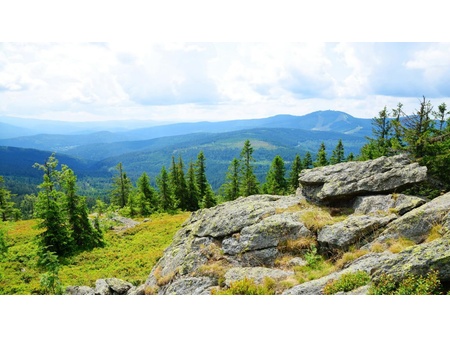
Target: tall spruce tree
<point x="7" y="206"/>
<point x="276" y="183"/>
<point x="338" y="154"/>
<point x="232" y="181"/>
<point x="321" y="158"/>
<point x="193" y="202"/>
<point x="200" y="175"/>
<point x="248" y="180"/>
<point x="84" y="235"/>
<point x="165" y="194"/>
<point x="307" y="161"/>
<point x="147" y="199"/>
<point x="419" y="127"/>
<point x="296" y="168"/>
<point x="178" y="183"/>
<point x="121" y="187"/>
<point x="55" y="236"/>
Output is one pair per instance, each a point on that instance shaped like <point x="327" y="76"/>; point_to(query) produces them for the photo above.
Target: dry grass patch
<point x="437" y="231"/>
<point x="349" y="256"/>
<point x="377" y="247"/>
<point x="316" y="218"/>
<point x="296" y="246"/>
<point x="399" y="244"/>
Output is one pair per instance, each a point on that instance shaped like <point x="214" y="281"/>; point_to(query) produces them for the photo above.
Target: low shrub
<point x="347" y="282"/>
<point x="410" y="285"/>
<point x="248" y="286"/>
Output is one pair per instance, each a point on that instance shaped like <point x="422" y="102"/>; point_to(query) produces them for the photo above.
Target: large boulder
<point x="257" y="274"/>
<point x="416" y="224"/>
<point x="385" y="204"/>
<point x="357" y="230"/>
<point x="419" y="260"/>
<point x="244" y="233"/>
<point x="343" y="181"/>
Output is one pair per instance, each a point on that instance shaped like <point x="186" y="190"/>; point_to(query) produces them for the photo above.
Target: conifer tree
<point x="122" y="187"/>
<point x="56" y="236"/>
<point x="84" y="236"/>
<point x="178" y="183"/>
<point x="200" y="175"/>
<point x="165" y="194"/>
<point x="7" y="207"/>
<point x="146" y="198"/>
<point x="321" y="158"/>
<point x="209" y="200"/>
<point x="338" y="154"/>
<point x="397" y="142"/>
<point x="249" y="183"/>
<point x="307" y="161"/>
<point x="296" y="168"/>
<point x="192" y="190"/>
<point x="276" y="181"/>
<point x="232" y="181"/>
<point x="419" y="127"/>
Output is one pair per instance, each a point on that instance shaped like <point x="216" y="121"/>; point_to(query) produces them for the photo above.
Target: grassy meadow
<point x="128" y="255"/>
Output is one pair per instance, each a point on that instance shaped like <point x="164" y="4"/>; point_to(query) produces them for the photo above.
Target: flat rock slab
<point x="342" y="181"/>
<point x="257" y="274"/>
<point x="392" y="203"/>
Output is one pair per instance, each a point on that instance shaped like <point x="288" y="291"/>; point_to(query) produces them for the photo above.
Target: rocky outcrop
<point x="348" y="206"/>
<point x="386" y="204"/>
<point x="343" y="181"/>
<point x="419" y="260"/>
<point x="356" y="229"/>
<point x="416" y="224"/>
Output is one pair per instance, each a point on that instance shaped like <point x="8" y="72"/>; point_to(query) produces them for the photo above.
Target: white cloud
<point x="206" y="81"/>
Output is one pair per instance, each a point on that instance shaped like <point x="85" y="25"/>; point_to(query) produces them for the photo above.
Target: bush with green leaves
<point x="248" y="286"/>
<point x="410" y="285"/>
<point x="312" y="257"/>
<point x="347" y="282"/>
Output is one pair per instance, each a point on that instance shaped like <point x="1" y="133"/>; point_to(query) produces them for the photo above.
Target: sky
<point x="214" y="81"/>
<point x="49" y="69"/>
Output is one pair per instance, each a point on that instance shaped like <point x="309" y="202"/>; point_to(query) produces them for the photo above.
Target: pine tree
<point x="307" y="161"/>
<point x="200" y="175"/>
<point x="321" y="158"/>
<point x="84" y="236"/>
<point x="178" y="183"/>
<point x="350" y="157"/>
<point x="276" y="181"/>
<point x="249" y="183"/>
<point x="165" y="194"/>
<point x="397" y="142"/>
<point x="56" y="236"/>
<point x="122" y="187"/>
<point x="441" y="115"/>
<point x="7" y="209"/>
<point x="338" y="154"/>
<point x="192" y="190"/>
<point x="232" y="183"/>
<point x="296" y="168"/>
<point x="209" y="200"/>
<point x="419" y="127"/>
<point x="146" y="197"/>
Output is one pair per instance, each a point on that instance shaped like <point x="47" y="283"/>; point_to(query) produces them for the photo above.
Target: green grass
<point x="129" y="255"/>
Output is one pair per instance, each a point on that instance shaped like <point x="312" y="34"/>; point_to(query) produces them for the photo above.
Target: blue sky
<point x="146" y="77"/>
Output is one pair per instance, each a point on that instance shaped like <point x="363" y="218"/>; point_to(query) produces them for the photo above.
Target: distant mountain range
<point x="148" y="149"/>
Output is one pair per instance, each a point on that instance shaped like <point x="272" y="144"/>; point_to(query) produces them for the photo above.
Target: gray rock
<point x="102" y="287"/>
<point x="140" y="290"/>
<point x="297" y="261"/>
<point x="266" y="234"/>
<point x="118" y="286"/>
<point x="257" y="274"/>
<point x="416" y="224"/>
<point x="354" y="230"/>
<point x="383" y="204"/>
<point x="220" y="227"/>
<point x="419" y="260"/>
<point x="79" y="290"/>
<point x="362" y="290"/>
<point x="191" y="286"/>
<point x="350" y="179"/>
